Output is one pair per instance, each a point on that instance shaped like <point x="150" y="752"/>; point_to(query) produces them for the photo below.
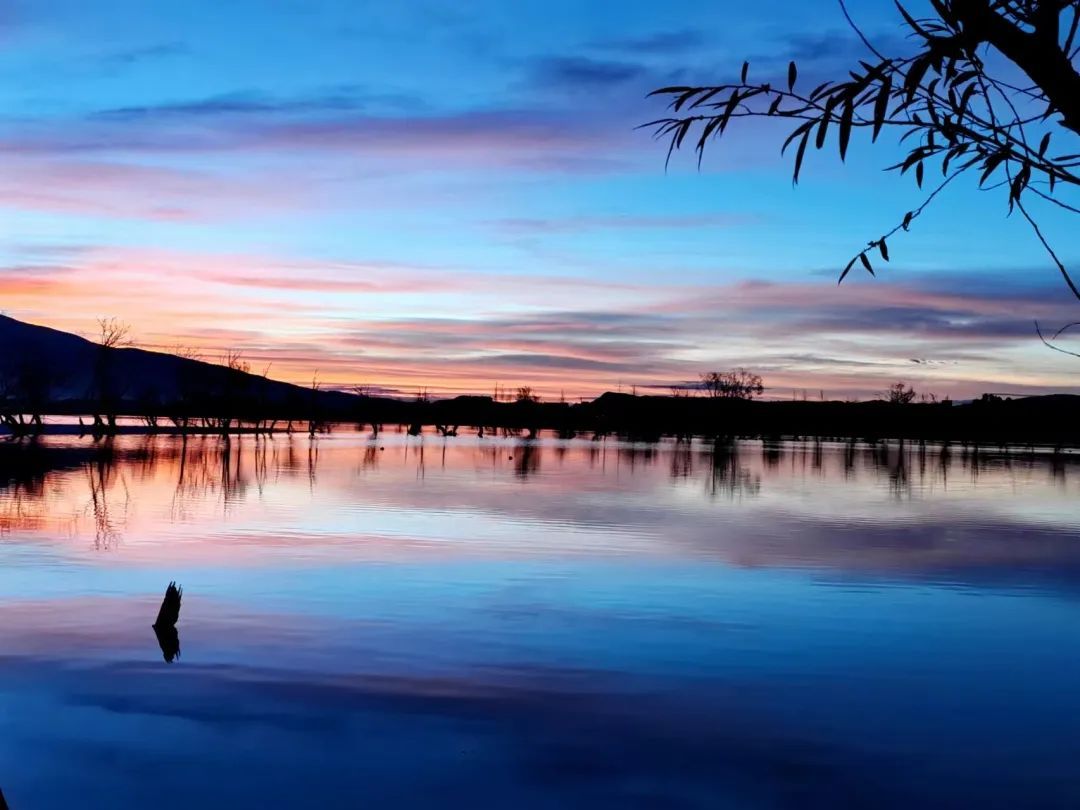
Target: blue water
<point x="494" y="623"/>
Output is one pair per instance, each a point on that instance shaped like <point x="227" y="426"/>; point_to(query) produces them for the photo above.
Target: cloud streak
<point x="582" y="74"/>
<point x="510" y="138"/>
<point x="618" y="222"/>
<point x="547" y="331"/>
<point x="661" y="42"/>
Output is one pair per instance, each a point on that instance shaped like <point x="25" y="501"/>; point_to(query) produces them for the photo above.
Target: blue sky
<point x="416" y="195"/>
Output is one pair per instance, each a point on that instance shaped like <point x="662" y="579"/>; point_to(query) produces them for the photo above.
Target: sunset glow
<point x="406" y="196"/>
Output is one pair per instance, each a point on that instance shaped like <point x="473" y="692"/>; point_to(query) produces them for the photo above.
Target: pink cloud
<point x="132" y="191"/>
<point x="352" y="322"/>
<point x="525" y="139"/>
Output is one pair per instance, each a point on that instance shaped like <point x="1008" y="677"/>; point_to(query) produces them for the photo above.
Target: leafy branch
<point x="941" y="100"/>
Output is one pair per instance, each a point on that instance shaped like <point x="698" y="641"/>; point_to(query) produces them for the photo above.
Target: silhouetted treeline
<point x="1049" y="420"/>
<point x="49" y="372"/>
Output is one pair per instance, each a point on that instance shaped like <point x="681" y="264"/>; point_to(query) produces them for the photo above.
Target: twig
<point x="858" y="31"/>
<point x="1049" y="250"/>
<point x="1065" y="329"/>
<point x="1050" y="345"/>
<point x="1053" y="200"/>
<point x="908" y="219"/>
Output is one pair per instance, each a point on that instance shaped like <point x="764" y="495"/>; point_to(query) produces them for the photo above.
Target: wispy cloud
<point x="551" y="225"/>
<point x="94" y="187"/>
<point x="524" y="139"/>
<point x="243" y="103"/>
<point x="549" y="331"/>
<point x="578" y="73"/>
<point x="302" y="314"/>
<point x="134" y="56"/>
<point x="660" y="42"/>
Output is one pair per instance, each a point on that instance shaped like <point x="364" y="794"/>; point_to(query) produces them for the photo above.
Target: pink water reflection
<point x="291" y="500"/>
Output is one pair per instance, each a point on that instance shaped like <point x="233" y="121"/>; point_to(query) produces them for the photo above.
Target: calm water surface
<point x="492" y="623"/>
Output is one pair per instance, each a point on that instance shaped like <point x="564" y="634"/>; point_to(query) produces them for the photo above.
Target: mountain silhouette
<point x="69" y="362"/>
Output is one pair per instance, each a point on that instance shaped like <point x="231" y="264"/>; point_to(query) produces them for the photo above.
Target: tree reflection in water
<point x="85" y="485"/>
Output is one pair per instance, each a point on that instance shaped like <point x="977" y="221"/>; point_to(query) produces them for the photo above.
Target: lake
<point x="492" y="623"/>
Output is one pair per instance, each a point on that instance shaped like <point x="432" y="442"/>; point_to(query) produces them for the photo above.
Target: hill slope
<point x="67" y="370"/>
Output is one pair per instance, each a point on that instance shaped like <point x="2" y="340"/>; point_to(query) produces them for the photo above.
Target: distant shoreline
<point x="1049" y="421"/>
<point x="71" y="376"/>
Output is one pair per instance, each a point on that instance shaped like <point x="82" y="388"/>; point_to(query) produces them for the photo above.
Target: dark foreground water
<point x="501" y="624"/>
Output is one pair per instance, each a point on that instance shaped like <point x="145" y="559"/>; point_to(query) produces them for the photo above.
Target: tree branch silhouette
<point x="940" y="100"/>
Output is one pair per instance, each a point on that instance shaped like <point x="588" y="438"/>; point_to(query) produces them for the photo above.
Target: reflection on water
<point x="405" y="621"/>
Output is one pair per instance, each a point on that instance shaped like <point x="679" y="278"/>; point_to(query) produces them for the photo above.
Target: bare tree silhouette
<point x="112" y="334"/>
<point x="740" y="383"/>
<point x="899" y="394"/>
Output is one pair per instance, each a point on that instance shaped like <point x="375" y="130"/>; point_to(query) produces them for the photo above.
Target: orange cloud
<point x="354" y="322"/>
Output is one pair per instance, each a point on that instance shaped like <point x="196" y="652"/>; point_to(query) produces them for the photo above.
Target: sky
<point x="453" y="197"/>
